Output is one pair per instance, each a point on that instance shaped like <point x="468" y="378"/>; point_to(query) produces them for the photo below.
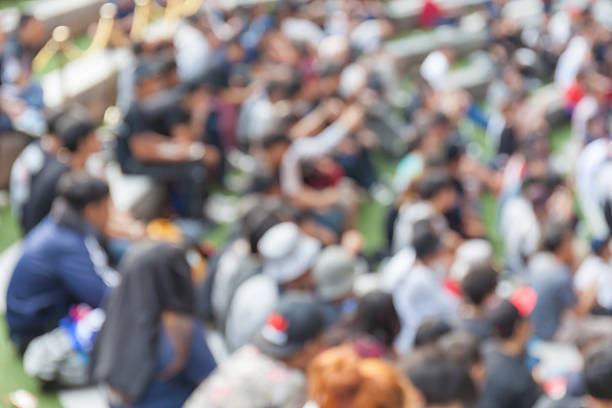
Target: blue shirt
<point x="54" y="272"/>
<point x="174" y="392"/>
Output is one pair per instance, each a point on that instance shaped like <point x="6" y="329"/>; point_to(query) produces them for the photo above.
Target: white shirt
<point x="571" y="61"/>
<point x="192" y="53"/>
<point x="519" y="229"/>
<point x="584" y="110"/>
<point x="594" y="271"/>
<point x="418" y="297"/>
<point x="435" y="70"/>
<point x="301" y="30"/>
<point x="588" y="164"/>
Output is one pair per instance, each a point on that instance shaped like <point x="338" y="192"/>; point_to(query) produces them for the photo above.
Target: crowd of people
<point x="293" y="106"/>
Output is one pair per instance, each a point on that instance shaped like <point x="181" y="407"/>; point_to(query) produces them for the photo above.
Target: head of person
<point x="479" y="285"/>
<point x="31" y="31"/>
<point x="464" y="348"/>
<point x="292" y="332"/>
<point x="439" y="380"/>
<point x="274" y="148"/>
<point x="558" y="239"/>
<point x="598" y="375"/>
<point x="430" y="331"/>
<point x="425" y="242"/>
<point x="149" y="80"/>
<point x="257" y="221"/>
<point x="376" y="316"/>
<point x="289" y="256"/>
<point x="339" y="378"/>
<point x="510" y="319"/>
<point x="437" y="188"/>
<point x="78" y="139"/>
<point x="87" y="195"/>
<point x="334" y="274"/>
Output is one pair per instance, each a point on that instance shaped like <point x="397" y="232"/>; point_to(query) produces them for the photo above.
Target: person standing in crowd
<point x="38" y="168"/>
<point x="269" y="371"/>
<point x="478" y="288"/>
<point x="64" y="261"/>
<point x="151" y="351"/>
<point x="551" y="277"/>
<point x="509" y="382"/>
<point x="420" y="294"/>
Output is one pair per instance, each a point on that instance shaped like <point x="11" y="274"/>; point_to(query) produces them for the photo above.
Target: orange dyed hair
<point x="339" y="378"/>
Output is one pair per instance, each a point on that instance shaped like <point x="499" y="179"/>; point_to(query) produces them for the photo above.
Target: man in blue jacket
<point x="64" y="261"/>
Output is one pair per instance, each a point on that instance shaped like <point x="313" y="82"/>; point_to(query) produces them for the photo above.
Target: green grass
<point x="10" y="232"/>
<point x="559" y="137"/>
<point x="12" y="376"/>
<point x="13" y="3"/>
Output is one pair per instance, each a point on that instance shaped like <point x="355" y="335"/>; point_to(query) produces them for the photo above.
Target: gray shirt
<point x="552" y="281"/>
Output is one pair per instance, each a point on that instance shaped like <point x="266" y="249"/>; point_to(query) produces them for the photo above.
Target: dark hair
<point x="434" y="182"/>
<point x="424" y="240"/>
<point x="554" y="235"/>
<point x="81" y="189"/>
<point x="439" y="378"/>
<point x="598" y="371"/>
<point x="504" y="319"/>
<point x="256" y="223"/>
<point x="274" y="139"/>
<point x="430" y="331"/>
<point x="461" y="347"/>
<point x="479" y="283"/>
<point x="376" y="315"/>
<point x="24" y="20"/>
<point x="72" y="132"/>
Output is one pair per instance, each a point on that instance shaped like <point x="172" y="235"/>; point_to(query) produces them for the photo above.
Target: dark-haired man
<point x="598" y="376"/>
<point x="509" y="382"/>
<point x="64" y="262"/>
<point x="478" y="288"/>
<point x="440" y="381"/>
<point x="157" y="138"/>
<point x="38" y="168"/>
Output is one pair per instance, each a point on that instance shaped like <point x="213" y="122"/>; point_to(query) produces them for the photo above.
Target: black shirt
<point x="35" y="174"/>
<point x="160" y="115"/>
<point x="509" y="383"/>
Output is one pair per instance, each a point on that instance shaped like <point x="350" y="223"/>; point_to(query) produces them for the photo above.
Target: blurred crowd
<point x="292" y="110"/>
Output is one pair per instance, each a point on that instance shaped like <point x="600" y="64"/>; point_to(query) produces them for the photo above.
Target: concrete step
<point x="475" y="77"/>
<point x="404" y="14"/>
<point x="90" y="81"/>
<point x="412" y="50"/>
<point x="76" y="14"/>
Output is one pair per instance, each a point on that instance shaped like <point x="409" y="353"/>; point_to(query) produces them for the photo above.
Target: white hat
<point x="288" y="253"/>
